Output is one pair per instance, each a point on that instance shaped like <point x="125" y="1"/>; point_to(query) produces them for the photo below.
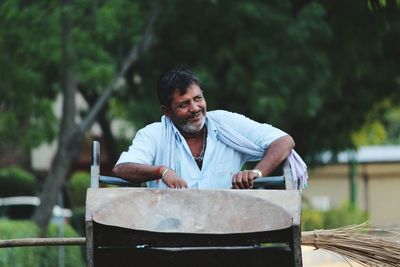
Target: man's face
<point x="187" y="111"/>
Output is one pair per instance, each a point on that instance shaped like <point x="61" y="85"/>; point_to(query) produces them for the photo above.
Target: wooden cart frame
<point x="128" y="226"/>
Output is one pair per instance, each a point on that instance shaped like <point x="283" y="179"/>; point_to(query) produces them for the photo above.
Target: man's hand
<point x="277" y="152"/>
<point x="244" y="179"/>
<point x="172" y="180"/>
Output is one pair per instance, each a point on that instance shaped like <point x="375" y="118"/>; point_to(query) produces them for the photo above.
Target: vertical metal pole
<point x="89" y="244"/>
<point x="95" y="166"/>
<point x="352" y="178"/>
<point x="60" y="222"/>
<point x="366" y="186"/>
<point x="288" y="176"/>
<point x="94" y="183"/>
<point x="296" y="246"/>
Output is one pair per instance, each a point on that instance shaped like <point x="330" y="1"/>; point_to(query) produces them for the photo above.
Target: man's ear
<point x="165" y="110"/>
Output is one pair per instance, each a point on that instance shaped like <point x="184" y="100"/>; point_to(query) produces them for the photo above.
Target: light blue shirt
<point x="220" y="160"/>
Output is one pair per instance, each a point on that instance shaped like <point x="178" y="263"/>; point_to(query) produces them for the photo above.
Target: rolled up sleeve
<point x="143" y="147"/>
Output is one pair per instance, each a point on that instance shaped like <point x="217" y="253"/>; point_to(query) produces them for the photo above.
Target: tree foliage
<point x="313" y="68"/>
<point x="317" y="69"/>
<point x="88" y="60"/>
<point x="27" y="72"/>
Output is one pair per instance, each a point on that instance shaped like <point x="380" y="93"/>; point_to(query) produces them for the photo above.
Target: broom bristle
<point x="356" y="243"/>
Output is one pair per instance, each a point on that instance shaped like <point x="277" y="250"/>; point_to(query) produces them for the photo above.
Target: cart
<point x="128" y="226"/>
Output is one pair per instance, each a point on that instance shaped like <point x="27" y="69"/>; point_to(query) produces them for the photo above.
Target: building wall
<point x="384" y="194"/>
<point x="378" y="190"/>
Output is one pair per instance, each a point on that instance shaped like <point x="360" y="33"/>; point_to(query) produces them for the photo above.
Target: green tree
<point x="72" y="135"/>
<point x="88" y="47"/>
<point x="314" y="68"/>
<point x="28" y="73"/>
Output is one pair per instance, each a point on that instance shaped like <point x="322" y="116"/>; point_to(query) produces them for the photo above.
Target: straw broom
<point x="357" y="244"/>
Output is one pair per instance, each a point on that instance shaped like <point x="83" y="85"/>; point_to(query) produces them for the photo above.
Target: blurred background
<point x="73" y="71"/>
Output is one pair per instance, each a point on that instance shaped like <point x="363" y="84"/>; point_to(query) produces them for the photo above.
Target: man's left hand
<point x="244" y="179"/>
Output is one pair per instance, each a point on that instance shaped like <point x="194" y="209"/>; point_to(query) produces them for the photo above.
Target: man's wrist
<point x="159" y="171"/>
<point x="162" y="171"/>
<point x="257" y="172"/>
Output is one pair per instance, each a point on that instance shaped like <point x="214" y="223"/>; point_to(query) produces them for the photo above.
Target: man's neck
<point x="196" y="135"/>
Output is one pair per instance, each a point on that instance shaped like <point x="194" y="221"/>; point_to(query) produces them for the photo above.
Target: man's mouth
<point x="194" y="122"/>
<point x="196" y="116"/>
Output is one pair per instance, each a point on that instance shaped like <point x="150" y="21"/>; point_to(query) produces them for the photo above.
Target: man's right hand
<point x="172" y="180"/>
<point x="244" y="179"/>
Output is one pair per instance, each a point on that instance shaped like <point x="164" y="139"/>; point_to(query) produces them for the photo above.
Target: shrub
<point x="15" y="181"/>
<point x="36" y="256"/>
<point x="10" y="229"/>
<point x="78" y="184"/>
<point x="78" y="220"/>
<point x="73" y="254"/>
<point x="338" y="217"/>
<point x="311" y="220"/>
<point x="345" y="215"/>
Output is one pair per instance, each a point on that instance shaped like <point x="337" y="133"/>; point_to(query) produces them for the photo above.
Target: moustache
<point x="195" y="114"/>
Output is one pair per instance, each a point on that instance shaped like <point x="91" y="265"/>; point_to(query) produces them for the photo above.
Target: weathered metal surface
<point x="194" y="211"/>
<point x="89" y="244"/>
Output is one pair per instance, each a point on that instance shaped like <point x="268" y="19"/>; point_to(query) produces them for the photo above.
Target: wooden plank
<point x="49" y="241"/>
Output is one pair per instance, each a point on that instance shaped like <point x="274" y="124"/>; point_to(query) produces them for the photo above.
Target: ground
<point x="323" y="258"/>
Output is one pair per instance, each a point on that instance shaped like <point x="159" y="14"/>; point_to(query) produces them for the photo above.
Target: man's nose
<point x="193" y="107"/>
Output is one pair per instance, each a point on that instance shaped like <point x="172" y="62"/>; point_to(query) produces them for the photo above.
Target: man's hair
<point x="178" y="78"/>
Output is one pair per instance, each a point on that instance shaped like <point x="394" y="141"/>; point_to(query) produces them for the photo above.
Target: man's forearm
<point x="277" y="152"/>
<point x="137" y="172"/>
<point x="140" y="173"/>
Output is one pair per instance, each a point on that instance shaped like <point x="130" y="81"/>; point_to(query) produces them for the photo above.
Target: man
<point x="193" y="148"/>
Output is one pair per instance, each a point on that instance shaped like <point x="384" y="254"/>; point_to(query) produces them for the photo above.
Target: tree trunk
<point x="71" y="135"/>
<point x="61" y="165"/>
<point x="65" y="154"/>
<point x="105" y="125"/>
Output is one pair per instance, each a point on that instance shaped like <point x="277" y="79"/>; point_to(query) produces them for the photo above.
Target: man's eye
<point x="184" y="105"/>
<point x="198" y="98"/>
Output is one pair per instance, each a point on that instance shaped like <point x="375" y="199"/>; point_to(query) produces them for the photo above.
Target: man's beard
<point x="192" y="128"/>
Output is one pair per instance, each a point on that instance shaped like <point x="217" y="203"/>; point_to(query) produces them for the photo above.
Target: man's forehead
<point x="192" y="90"/>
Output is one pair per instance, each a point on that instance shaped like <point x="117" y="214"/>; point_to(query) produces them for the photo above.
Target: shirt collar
<point x="178" y="135"/>
<point x="211" y="127"/>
